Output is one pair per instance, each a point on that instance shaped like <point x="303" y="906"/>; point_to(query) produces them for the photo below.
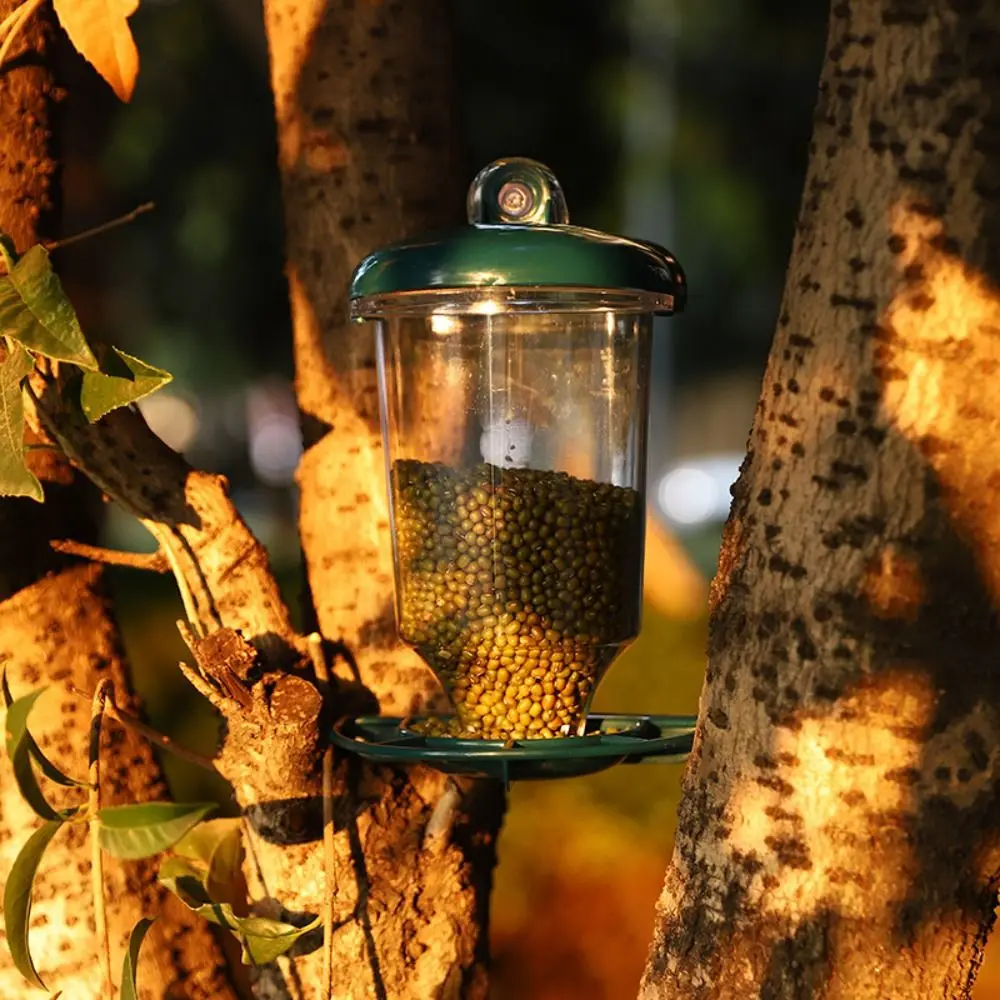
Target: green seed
<point x="509" y="577"/>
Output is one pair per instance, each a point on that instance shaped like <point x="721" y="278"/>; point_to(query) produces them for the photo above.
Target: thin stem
<point x="101" y="697"/>
<point x="8" y="22"/>
<point x="330" y="868"/>
<point x="318" y="657"/>
<point x="13" y="24"/>
<point x="210" y="693"/>
<point x="154" y="561"/>
<point x="121" y="220"/>
<point x="129" y="721"/>
<point x="138" y="726"/>
<point x="162" y="536"/>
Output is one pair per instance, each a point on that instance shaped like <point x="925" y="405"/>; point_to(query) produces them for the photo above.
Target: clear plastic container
<point x="515" y="428"/>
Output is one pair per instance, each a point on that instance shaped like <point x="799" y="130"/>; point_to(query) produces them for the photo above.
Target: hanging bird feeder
<point x="513" y="365"/>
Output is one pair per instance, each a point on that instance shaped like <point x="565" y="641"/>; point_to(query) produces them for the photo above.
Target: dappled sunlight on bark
<point x="838" y="829"/>
<point x="939" y="357"/>
<point x="825" y="825"/>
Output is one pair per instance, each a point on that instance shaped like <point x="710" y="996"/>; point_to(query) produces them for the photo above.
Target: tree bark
<point x="57" y="629"/>
<point x="368" y="156"/>
<point x="838" y="830"/>
<point x="362" y="98"/>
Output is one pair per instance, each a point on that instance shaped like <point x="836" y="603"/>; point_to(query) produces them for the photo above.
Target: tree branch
<point x="223" y="571"/>
<point x="154" y="561"/>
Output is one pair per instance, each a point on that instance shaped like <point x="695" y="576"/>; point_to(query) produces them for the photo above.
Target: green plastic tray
<point x="608" y="740"/>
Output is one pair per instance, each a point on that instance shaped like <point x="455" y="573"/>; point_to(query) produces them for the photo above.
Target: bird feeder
<point x="513" y="363"/>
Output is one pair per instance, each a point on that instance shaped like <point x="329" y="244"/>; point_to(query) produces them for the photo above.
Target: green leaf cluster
<point x="129" y="831"/>
<point x="37" y="318"/>
<point x="205" y="876"/>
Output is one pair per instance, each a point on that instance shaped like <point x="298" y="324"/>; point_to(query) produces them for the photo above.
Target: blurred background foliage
<point x="677" y="120"/>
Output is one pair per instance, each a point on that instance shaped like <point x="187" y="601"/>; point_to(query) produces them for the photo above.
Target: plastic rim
<point x="635" y="739"/>
<point x="523" y="299"/>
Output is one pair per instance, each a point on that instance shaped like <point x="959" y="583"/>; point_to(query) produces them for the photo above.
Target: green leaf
<point x="201" y="841"/>
<point x="16" y="479"/>
<point x="129" y="989"/>
<point x="263" y="939"/>
<point x="121" y="380"/>
<point x="138" y="831"/>
<point x="16" y="734"/>
<point x="34" y="310"/>
<point x="48" y="768"/>
<point x="17" y="899"/>
<point x="218" y="843"/>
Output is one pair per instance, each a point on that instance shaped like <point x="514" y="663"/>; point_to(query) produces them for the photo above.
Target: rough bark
<point x="367" y="157"/>
<point x="57" y="629"/>
<point x="362" y="98"/>
<point x="838" y="830"/>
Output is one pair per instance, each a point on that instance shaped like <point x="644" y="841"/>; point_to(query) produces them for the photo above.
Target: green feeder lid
<point x="519" y="237"/>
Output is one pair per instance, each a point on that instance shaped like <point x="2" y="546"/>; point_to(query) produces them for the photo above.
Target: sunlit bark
<point x="367" y="157"/>
<point x="838" y="832"/>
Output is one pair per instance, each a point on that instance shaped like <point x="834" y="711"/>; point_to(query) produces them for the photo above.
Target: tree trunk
<point x="838" y="830"/>
<point x="367" y="157"/>
<point x="57" y="629"/>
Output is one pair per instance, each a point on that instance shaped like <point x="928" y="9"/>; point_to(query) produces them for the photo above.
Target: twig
<point x="8" y="22"/>
<point x="122" y="220"/>
<point x="154" y="561"/>
<point x="210" y="693"/>
<point x="104" y="227"/>
<point x="138" y="726"/>
<point x="314" y="642"/>
<point x="13" y="24"/>
<point x="162" y="535"/>
<point x="129" y="721"/>
<point x="101" y="696"/>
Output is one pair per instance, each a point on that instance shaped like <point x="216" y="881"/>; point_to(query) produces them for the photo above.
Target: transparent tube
<point x="515" y="446"/>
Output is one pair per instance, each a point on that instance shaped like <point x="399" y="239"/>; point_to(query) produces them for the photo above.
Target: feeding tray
<point x="608" y="740"/>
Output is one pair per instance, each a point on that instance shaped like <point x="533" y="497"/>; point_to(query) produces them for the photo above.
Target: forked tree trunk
<point x="367" y="157"/>
<point x="838" y="833"/>
<point x="57" y="629"/>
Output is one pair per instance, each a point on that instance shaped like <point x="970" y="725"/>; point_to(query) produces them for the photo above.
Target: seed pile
<point x="518" y="587"/>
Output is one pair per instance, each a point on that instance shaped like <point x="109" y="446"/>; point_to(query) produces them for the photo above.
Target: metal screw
<point x="516" y="199"/>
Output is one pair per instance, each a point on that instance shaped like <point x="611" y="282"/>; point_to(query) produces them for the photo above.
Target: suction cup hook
<point x="516" y="191"/>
